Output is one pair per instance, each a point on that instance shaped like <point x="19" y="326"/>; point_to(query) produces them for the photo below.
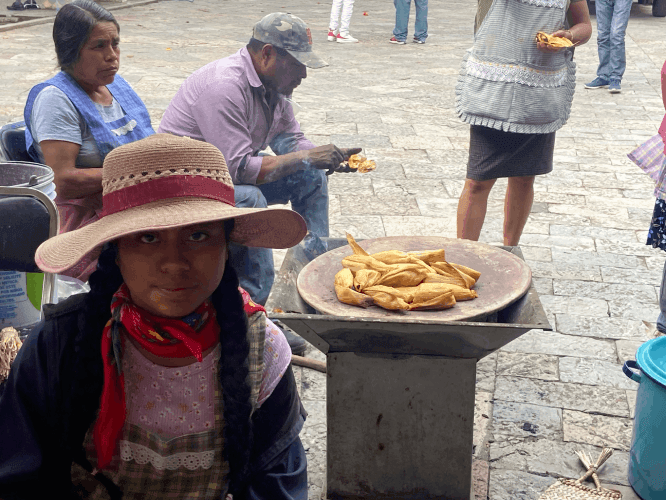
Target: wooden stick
<point x="313" y="364"/>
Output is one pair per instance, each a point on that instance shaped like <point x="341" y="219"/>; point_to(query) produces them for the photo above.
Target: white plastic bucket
<point x="19" y="173"/>
<point x="20" y="298"/>
<point x="21" y="293"/>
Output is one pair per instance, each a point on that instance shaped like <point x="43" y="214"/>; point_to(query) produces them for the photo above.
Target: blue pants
<point x="307" y="191"/>
<point x="661" y="320"/>
<point x="402" y="19"/>
<point x="612" y="20"/>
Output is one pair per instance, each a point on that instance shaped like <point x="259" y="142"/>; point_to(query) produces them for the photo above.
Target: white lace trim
<point x="515" y="74"/>
<point x="560" y="4"/>
<point x="143" y="455"/>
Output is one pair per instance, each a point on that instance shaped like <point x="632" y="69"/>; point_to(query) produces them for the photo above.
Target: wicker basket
<point x="569" y="489"/>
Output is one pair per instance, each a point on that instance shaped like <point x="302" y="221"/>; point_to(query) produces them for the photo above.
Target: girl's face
<point x="171" y="272"/>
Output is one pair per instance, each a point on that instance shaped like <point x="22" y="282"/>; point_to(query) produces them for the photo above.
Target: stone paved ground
<point x="547" y="393"/>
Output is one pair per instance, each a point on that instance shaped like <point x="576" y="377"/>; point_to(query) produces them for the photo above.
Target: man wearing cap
<point x="239" y="105"/>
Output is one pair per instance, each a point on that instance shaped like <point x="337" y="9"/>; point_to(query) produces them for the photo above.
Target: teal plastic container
<point x="647" y="458"/>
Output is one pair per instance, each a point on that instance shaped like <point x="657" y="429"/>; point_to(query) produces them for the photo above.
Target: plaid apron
<point x="186" y="467"/>
<point x="650" y="158"/>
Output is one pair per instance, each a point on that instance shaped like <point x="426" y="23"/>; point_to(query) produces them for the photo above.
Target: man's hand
<point x="329" y="158"/>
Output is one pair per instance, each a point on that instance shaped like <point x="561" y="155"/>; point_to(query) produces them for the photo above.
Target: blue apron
<point x="133" y="126"/>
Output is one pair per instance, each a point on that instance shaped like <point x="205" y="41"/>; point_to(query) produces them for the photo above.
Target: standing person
<point x="515" y="95"/>
<point x="341" y="12"/>
<point x="239" y="104"/>
<point x="165" y="380"/>
<point x="75" y="118"/>
<point x="402" y="20"/>
<point x="612" y="20"/>
<point x="657" y="232"/>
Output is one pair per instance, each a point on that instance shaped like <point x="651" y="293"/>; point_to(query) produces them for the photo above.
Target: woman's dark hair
<point x="72" y="27"/>
<point x="233" y="365"/>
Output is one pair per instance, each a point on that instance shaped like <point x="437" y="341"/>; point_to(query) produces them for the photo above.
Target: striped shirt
<point x="484" y="7"/>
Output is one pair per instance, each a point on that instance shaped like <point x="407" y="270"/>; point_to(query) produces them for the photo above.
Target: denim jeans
<point x="661" y="320"/>
<point x="612" y="20"/>
<point x="307" y="191"/>
<point x="402" y="19"/>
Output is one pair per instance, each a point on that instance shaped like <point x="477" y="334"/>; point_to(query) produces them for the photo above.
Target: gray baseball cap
<point x="290" y="33"/>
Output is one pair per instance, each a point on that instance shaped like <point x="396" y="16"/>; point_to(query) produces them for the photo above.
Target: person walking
<point x="657" y="231"/>
<point x="612" y="20"/>
<point x="402" y="20"/>
<point x="341" y="12"/>
<point x="515" y="95"/>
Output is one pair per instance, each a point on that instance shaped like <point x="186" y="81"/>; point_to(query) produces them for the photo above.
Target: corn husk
<point x="355" y="246"/>
<point x="10" y="343"/>
<point x="366" y="278"/>
<point x="553" y="41"/>
<point x="569" y="489"/>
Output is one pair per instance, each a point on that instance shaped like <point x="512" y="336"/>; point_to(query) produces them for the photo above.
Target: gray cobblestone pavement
<point x="545" y="394"/>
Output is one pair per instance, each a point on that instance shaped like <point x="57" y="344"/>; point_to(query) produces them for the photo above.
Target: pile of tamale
<point x="406" y="281"/>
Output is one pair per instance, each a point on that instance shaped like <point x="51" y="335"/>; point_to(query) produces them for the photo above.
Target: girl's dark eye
<point x="199" y="236"/>
<point x="148" y="238"/>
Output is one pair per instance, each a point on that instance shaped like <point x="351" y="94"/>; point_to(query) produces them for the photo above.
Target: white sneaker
<point x="332" y="35"/>
<point x="346" y="38"/>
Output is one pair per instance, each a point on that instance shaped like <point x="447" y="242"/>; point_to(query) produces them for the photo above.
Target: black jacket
<point x="39" y="441"/>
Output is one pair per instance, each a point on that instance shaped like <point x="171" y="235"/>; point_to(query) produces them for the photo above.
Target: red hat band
<point x="173" y="186"/>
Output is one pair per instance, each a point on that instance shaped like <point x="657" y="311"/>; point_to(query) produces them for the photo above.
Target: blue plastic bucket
<point x="647" y="458"/>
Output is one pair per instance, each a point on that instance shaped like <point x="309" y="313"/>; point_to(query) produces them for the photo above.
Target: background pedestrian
<point x="341" y="12"/>
<point x="657" y="231"/>
<point x="402" y="20"/>
<point x="612" y="20"/>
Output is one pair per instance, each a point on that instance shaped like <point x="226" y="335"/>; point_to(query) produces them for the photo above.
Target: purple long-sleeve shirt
<point x="224" y="104"/>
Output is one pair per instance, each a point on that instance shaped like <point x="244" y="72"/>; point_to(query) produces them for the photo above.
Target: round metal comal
<point x="504" y="278"/>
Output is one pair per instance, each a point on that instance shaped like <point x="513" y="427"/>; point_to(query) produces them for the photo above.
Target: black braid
<point x="234" y="377"/>
<point x="88" y="369"/>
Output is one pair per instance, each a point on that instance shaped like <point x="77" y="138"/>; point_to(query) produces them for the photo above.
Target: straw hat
<point x="163" y="182"/>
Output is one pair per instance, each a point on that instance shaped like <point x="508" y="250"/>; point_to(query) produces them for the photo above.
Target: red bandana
<point x="173" y="338"/>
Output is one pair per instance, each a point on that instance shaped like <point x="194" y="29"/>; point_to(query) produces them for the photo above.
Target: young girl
<point x="341" y="10"/>
<point x="165" y="380"/>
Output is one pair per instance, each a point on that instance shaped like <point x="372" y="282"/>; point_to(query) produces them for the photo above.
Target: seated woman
<point x="165" y="380"/>
<point x="75" y="118"/>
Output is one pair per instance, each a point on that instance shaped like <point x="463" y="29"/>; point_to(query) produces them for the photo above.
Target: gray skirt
<point x="494" y="154"/>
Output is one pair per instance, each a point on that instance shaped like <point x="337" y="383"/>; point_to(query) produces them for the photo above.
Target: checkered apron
<point x="186" y="467"/>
